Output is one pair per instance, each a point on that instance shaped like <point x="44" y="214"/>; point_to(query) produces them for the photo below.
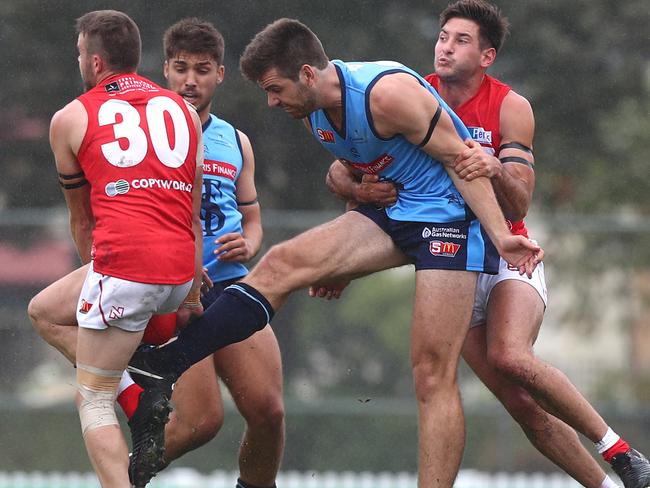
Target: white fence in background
<point x="188" y="478"/>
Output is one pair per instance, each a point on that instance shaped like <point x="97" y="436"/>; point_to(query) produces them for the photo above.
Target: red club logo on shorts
<point x="85" y="306"/>
<point x="445" y="249"/>
<point x="116" y="312"/>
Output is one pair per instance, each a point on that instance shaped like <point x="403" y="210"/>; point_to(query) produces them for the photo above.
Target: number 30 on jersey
<point x="129" y="128"/>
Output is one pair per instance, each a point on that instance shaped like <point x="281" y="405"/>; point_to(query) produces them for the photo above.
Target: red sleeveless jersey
<point x="139" y="155"/>
<point x="481" y="114"/>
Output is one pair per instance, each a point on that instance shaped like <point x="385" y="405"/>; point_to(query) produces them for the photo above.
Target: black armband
<point x="432" y="125"/>
<point x="515" y="145"/>
<point x="516" y="159"/>
<point x="72" y="186"/>
<point x="71" y="177"/>
<point x="244" y="204"/>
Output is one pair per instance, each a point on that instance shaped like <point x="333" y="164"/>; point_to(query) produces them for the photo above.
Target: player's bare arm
<point x="515" y="184"/>
<point x="400" y="105"/>
<point x="192" y="304"/>
<point x="236" y="247"/>
<point x="510" y="171"/>
<point x="67" y="130"/>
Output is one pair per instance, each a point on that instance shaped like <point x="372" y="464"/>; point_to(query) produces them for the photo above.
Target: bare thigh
<point x="252" y="371"/>
<point x="196" y="394"/>
<point x="441" y="315"/>
<point x="108" y="349"/>
<point x="58" y="302"/>
<point x="347" y="247"/>
<point x="514" y="317"/>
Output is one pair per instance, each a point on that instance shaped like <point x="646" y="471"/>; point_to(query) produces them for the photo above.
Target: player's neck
<point x="456" y="92"/>
<point x="331" y="95"/>
<point x="101" y="77"/>
<point x="204" y="114"/>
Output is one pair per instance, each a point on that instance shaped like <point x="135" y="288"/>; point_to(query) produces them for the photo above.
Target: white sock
<point x="125" y="382"/>
<point x="607" y="441"/>
<point x="608" y="483"/>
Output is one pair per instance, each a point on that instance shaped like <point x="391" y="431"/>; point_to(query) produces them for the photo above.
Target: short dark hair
<point x="493" y="26"/>
<point x="114" y="35"/>
<point x="286" y="45"/>
<point x="194" y="36"/>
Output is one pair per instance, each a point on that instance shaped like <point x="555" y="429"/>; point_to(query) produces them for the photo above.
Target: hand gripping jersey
<point x="139" y="155"/>
<point x="426" y="192"/>
<point x="219" y="212"/>
<point x="481" y="114"/>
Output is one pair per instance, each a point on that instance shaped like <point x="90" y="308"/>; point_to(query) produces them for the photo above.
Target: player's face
<point x="293" y="96"/>
<point x="458" y="53"/>
<point x="85" y="63"/>
<point x="195" y="77"/>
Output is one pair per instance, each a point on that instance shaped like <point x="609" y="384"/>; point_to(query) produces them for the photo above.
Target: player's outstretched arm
<point x="401" y="105"/>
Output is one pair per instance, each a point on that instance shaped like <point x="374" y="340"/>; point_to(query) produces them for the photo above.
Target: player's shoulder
<point x="496" y="83"/>
<point x="432" y="79"/>
<point x="71" y="114"/>
<point x="219" y="127"/>
<point x="516" y="102"/>
<point x="391" y="88"/>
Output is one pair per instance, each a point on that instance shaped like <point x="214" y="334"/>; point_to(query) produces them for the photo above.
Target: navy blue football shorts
<point x="462" y="245"/>
<point x="217" y="289"/>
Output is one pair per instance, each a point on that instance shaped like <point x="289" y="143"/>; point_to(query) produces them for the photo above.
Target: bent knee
<point x="276" y="265"/>
<point x="37" y="315"/>
<point x="34" y="310"/>
<point x="285" y="268"/>
<point x="511" y="364"/>
<point x="196" y="428"/>
<point x="268" y="414"/>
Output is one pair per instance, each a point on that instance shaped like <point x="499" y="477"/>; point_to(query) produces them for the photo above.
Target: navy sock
<point x="236" y="315"/>
<point x="243" y="484"/>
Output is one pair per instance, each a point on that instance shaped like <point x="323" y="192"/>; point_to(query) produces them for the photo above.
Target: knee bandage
<point x="98" y="391"/>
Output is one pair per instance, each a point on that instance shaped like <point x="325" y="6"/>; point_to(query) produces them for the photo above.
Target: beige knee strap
<point x="98" y="391"/>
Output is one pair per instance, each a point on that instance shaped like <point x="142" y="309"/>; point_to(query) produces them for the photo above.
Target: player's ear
<point x="307" y="74"/>
<point x="221" y="73"/>
<point x="488" y="56"/>
<point x="98" y="63"/>
<point x="166" y="69"/>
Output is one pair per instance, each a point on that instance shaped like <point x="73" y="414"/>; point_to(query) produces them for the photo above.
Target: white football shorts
<point x="108" y="301"/>
<point x="487" y="282"/>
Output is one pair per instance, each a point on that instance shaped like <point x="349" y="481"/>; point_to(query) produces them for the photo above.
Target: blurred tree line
<point x="584" y="65"/>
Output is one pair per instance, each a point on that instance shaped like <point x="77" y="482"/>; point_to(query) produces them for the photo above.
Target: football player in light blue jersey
<point x="402" y="132"/>
<point x="508" y="308"/>
<point x="232" y="236"/>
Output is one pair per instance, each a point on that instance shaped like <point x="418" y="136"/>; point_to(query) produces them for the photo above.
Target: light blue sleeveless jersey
<point x="219" y="212"/>
<point x="426" y="192"/>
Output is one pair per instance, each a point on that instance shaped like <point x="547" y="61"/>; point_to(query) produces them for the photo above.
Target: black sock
<point x="243" y="484"/>
<point x="237" y="314"/>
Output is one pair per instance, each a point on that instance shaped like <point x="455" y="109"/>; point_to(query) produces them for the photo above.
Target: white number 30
<point x="129" y="129"/>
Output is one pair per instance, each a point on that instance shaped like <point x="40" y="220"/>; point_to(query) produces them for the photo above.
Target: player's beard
<point x="87" y="76"/>
<point x="307" y="106"/>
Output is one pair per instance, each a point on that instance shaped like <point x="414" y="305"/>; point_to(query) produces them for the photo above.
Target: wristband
<point x="193" y="300"/>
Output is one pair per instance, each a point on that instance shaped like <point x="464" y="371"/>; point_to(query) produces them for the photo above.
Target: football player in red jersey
<point x="509" y="307"/>
<point x="125" y="183"/>
<point x="194" y="69"/>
